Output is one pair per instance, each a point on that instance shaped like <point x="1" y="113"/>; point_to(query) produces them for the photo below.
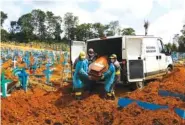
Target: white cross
<point x="14" y="63"/>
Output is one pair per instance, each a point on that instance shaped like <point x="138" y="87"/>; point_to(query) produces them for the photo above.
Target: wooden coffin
<point x="97" y="68"/>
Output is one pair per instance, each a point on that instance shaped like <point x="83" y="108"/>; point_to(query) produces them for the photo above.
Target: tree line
<point x="178" y="42"/>
<point x="46" y="26"/>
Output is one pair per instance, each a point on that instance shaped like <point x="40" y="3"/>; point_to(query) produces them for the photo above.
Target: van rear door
<point x="76" y="48"/>
<point x="135" y="71"/>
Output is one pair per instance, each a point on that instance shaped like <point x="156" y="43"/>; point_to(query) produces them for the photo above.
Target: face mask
<point x="112" y="60"/>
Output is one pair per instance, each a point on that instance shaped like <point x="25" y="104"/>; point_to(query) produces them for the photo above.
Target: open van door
<point x="135" y="66"/>
<point x="76" y="48"/>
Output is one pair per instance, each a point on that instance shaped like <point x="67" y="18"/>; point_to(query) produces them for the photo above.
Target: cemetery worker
<point x="80" y="75"/>
<point x="75" y="62"/>
<point x="92" y="56"/>
<point x="109" y="77"/>
<point x="117" y="70"/>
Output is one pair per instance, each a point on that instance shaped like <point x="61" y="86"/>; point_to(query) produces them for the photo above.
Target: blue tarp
<point x="172" y="94"/>
<point x="123" y="102"/>
<point x="180" y="112"/>
<point x="151" y="106"/>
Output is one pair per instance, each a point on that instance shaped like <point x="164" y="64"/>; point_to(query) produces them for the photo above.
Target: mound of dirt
<point x="175" y="82"/>
<point x="39" y="107"/>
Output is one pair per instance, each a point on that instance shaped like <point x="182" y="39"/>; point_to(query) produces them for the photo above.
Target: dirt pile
<point x="175" y="82"/>
<point x="38" y="107"/>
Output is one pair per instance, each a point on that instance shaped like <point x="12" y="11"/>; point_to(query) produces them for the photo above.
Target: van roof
<point x="128" y="36"/>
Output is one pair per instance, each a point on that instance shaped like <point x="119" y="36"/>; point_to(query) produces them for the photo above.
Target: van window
<point x="161" y="47"/>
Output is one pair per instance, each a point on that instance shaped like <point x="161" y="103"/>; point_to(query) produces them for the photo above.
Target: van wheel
<point x="140" y="85"/>
<point x="169" y="70"/>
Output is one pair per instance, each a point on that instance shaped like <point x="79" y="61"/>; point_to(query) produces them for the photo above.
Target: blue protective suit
<point x="81" y="74"/>
<point x="23" y="77"/>
<point x="109" y="77"/>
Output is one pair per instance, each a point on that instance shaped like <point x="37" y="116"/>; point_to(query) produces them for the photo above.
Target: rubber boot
<point x="108" y="96"/>
<point x="78" y="95"/>
<point x="113" y="95"/>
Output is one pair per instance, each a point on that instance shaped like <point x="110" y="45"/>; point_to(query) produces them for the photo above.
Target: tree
<point x="53" y="26"/>
<point x="174" y="47"/>
<point x="3" y="17"/>
<point x="38" y="20"/>
<point x="128" y="31"/>
<point x="13" y="30"/>
<point x="50" y="25"/>
<point x="113" y="26"/>
<point x="168" y="46"/>
<point x="14" y="26"/>
<point x="146" y="25"/>
<point x="84" y="31"/>
<point x="26" y="27"/>
<point x="58" y="31"/>
<point x="4" y="35"/>
<point x="70" y="24"/>
<point x="99" y="29"/>
<point x="181" y="41"/>
<point x="171" y="47"/>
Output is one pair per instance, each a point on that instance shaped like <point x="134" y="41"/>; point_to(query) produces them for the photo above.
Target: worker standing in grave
<point x="109" y="77"/>
<point x="80" y="75"/>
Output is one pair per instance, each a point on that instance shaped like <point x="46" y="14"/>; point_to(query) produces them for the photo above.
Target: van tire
<point x="169" y="70"/>
<point x="140" y="85"/>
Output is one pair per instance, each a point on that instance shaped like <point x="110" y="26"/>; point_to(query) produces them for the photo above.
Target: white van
<point x="141" y="57"/>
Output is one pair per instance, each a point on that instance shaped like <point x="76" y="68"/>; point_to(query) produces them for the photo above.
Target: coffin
<point x="97" y="68"/>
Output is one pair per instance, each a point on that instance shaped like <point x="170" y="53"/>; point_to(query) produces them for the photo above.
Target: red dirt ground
<point x="39" y="107"/>
<point x="174" y="82"/>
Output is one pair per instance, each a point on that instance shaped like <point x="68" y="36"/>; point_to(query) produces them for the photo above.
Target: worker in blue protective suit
<point x="80" y="75"/>
<point x="109" y="77"/>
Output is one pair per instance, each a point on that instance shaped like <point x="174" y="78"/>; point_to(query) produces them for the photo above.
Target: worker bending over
<point x="80" y="75"/>
<point x="109" y="77"/>
<point x="91" y="57"/>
